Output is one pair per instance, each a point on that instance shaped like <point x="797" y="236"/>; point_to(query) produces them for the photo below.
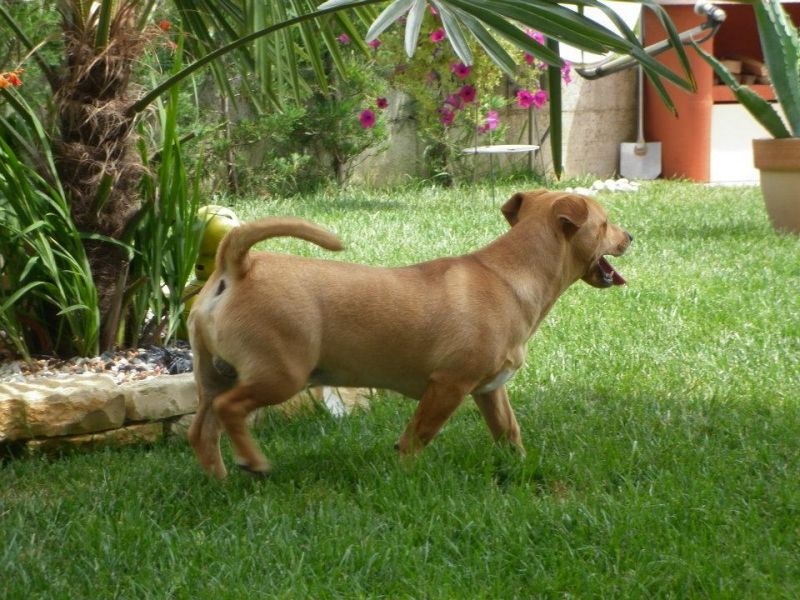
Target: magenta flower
<point x="529" y="58"/>
<point x="566" y="72"/>
<point x="524" y="98"/>
<point x="483" y="128"/>
<point x="344" y="39"/>
<point x="539" y="98"/>
<point x="437" y="35"/>
<point x="455" y="101"/>
<point x="367" y="118"/>
<point x="492" y="120"/>
<point x="375" y="44"/>
<point x="446" y="116"/>
<point x="467" y="93"/>
<point x="381" y="103"/>
<point x="536" y="35"/>
<point x="460" y="70"/>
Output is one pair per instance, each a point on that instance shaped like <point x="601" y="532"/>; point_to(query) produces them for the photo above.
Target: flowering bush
<point x="303" y="147"/>
<point x="457" y="103"/>
<point x="10" y="78"/>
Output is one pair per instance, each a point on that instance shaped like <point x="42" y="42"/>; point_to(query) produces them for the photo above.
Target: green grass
<point x="661" y="420"/>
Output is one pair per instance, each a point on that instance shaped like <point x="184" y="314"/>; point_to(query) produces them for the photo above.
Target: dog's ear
<point x="572" y="212"/>
<point x="511" y="208"/>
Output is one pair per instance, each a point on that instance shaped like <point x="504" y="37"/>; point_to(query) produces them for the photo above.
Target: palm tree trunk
<point x="96" y="155"/>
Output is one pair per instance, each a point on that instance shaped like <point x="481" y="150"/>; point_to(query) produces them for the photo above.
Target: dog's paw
<point x="258" y="470"/>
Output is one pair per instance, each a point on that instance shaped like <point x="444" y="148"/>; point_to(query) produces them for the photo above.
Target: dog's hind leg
<point x="499" y="416"/>
<point x="438" y="402"/>
<point x="204" y="432"/>
<point x="232" y="408"/>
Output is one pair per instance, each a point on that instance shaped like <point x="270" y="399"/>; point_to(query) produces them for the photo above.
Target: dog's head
<point x="582" y="224"/>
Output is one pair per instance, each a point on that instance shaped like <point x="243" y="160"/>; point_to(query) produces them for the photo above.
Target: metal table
<point x="499" y="149"/>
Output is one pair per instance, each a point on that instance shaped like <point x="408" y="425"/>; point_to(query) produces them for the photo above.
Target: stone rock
<point x="143" y="433"/>
<point x="180" y="426"/>
<point x="337" y="401"/>
<point x="160" y="397"/>
<point x="57" y="407"/>
<point x="342" y="401"/>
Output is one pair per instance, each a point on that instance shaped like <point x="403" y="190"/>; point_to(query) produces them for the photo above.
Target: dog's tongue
<point x="616" y="278"/>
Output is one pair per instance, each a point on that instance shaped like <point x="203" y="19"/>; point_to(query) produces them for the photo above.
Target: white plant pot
<point x="779" y="163"/>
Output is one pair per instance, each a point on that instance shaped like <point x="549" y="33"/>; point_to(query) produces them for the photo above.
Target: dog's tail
<point x="232" y="254"/>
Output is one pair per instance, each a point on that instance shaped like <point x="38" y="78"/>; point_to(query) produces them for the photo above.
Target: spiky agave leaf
<point x="781" y="47"/>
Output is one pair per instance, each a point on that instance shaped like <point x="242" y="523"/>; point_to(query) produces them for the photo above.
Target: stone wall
<point x="89" y="411"/>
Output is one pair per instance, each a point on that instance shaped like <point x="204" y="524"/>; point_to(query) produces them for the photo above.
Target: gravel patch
<point x="123" y="365"/>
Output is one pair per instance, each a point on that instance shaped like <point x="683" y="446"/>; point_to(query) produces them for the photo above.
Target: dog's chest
<point x="500" y="379"/>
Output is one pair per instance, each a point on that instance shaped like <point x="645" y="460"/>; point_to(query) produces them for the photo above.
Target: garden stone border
<point x="90" y="411"/>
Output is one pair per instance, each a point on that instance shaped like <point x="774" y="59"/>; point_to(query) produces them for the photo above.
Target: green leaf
<point x="454" y="35"/>
<point x="762" y="110"/>
<point x="389" y="15"/>
<point x="413" y="25"/>
<point x="15" y="297"/>
<point x="510" y="31"/>
<point x="779" y="42"/>
<point x="103" y="193"/>
<point x="490" y="45"/>
<point x="106" y="10"/>
<point x="560" y="23"/>
<point x="674" y="38"/>
<point x="556" y="132"/>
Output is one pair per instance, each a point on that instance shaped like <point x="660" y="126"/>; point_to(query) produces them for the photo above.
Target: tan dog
<point x="267" y="325"/>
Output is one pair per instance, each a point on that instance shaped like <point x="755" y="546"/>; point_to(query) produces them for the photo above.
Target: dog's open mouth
<point x="610" y="275"/>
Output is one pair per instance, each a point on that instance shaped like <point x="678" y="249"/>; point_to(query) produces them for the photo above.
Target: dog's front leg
<point x="438" y="402"/>
<point x="499" y="416"/>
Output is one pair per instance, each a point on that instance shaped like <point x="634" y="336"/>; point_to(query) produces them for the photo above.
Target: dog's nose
<point x="630" y="237"/>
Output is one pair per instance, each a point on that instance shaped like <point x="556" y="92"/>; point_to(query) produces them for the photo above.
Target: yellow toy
<point x="219" y="221"/>
<point x="204" y="266"/>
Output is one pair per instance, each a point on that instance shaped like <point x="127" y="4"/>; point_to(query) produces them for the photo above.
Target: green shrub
<point x="48" y="301"/>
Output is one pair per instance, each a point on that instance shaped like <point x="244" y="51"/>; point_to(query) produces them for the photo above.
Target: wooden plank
<point x="722" y="93"/>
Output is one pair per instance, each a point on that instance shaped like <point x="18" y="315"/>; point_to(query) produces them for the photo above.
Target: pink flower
<point x="434" y="12"/>
<point x="539" y="98"/>
<point x="344" y="39"/>
<point x="455" y="101"/>
<point x="536" y="35"/>
<point x="367" y="118"/>
<point x="381" y="103"/>
<point x="375" y="44"/>
<point x="566" y="72"/>
<point x="529" y="58"/>
<point x="437" y="35"/>
<point x="446" y="116"/>
<point x="492" y="119"/>
<point x="467" y="94"/>
<point x="460" y="70"/>
<point x="524" y="98"/>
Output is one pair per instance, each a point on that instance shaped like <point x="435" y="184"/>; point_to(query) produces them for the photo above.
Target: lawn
<point x="662" y="422"/>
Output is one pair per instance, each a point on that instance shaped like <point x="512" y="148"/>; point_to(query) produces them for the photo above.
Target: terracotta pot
<point x="779" y="163"/>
